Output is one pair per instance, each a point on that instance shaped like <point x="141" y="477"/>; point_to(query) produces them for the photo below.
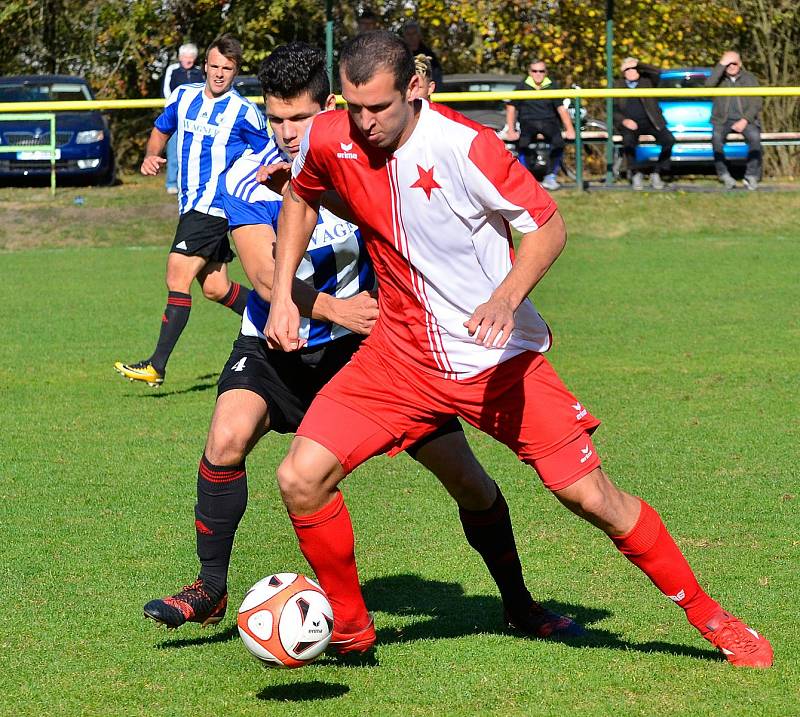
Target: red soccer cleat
<point x="360" y="641"/>
<point x="741" y="645"/>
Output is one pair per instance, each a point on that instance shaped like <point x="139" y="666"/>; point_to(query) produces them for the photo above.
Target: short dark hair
<point x="295" y="68"/>
<point x="229" y="47"/>
<point x="364" y="55"/>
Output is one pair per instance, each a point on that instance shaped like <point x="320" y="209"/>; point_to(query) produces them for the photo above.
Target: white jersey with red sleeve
<point x="435" y="217"/>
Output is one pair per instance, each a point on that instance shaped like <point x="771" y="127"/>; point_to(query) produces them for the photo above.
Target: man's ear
<point x="330" y="103"/>
<point x="413" y="89"/>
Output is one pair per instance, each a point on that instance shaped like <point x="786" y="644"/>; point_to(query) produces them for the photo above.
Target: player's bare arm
<point x="255" y="244"/>
<point x="492" y="322"/>
<point x="153" y="161"/>
<point x="296" y="223"/>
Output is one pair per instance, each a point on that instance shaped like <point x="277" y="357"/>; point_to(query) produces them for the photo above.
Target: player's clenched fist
<point x="358" y="313"/>
<point x="151" y="165"/>
<point x="283" y="326"/>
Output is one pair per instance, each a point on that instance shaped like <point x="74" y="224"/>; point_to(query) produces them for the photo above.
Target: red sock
<point x="650" y="547"/>
<point x="326" y="539"/>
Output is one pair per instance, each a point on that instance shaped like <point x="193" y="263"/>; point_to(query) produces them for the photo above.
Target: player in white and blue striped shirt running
<point x="214" y="126"/>
<point x="263" y="390"/>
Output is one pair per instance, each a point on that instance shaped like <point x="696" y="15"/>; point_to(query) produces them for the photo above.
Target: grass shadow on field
<point x="303" y="692"/>
<point x="451" y="614"/>
<point x="192" y="389"/>
<point x="209" y="638"/>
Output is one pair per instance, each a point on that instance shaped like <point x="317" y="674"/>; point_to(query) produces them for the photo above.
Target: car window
<point x="33" y="92"/>
<point x="687" y="79"/>
<point x="249" y="88"/>
<point x="478" y="87"/>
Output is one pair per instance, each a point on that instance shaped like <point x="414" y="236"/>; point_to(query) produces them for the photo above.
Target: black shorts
<point x="550" y="130"/>
<point x="203" y="235"/>
<point x="289" y="381"/>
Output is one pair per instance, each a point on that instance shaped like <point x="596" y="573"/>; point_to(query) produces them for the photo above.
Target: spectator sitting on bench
<point x="737" y="114"/>
<point x="636" y="116"/>
<point x="543" y="117"/>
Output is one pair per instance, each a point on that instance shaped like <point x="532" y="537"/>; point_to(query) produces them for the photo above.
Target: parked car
<point x="491" y="113"/>
<point x="249" y="86"/>
<point x="83" y="139"/>
<point x="690" y="116"/>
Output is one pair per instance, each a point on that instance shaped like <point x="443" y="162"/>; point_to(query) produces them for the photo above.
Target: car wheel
<point x="109" y="177"/>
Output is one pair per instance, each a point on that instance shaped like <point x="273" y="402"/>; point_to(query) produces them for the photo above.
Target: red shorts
<point x="373" y="406"/>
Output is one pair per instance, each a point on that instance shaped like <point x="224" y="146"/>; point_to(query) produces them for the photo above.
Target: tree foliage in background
<point x="123" y="46"/>
<point x="773" y="53"/>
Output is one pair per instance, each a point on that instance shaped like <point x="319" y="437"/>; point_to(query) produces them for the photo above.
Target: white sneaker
<point x="637" y="181"/>
<point x="728" y="181"/>
<point x="172" y="190"/>
<point x="750" y="183"/>
<point x="656" y="182"/>
<point x="550" y="182"/>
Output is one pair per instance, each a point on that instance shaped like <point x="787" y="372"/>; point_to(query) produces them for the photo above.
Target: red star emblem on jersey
<point x="426" y="181"/>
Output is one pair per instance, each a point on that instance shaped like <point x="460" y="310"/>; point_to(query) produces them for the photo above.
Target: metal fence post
<point x="578" y="145"/>
<point x="51" y="148"/>
<point x="53" y="144"/>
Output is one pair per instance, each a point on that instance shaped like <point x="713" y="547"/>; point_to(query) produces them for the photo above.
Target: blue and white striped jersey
<point x="335" y="262"/>
<point x="212" y="132"/>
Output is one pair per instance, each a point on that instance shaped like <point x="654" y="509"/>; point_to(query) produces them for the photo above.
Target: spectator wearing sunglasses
<point x="540" y="117"/>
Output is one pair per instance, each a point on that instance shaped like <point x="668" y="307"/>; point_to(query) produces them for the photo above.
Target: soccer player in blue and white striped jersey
<point x="214" y="126"/>
<point x="262" y="390"/>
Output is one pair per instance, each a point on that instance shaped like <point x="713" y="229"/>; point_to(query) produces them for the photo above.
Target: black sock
<point x="490" y="533"/>
<point x="173" y="322"/>
<point x="236" y="298"/>
<point x="221" y="501"/>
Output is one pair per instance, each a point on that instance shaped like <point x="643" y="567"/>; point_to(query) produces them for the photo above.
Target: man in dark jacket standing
<point x="737" y="114"/>
<point x="179" y="73"/>
<point x="636" y="116"/>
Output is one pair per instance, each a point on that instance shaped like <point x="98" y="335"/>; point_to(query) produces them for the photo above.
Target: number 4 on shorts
<point x="239" y="365"/>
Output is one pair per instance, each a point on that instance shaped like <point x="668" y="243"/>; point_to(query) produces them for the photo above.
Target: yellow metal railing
<point x="583" y="93"/>
<point x="576" y="94"/>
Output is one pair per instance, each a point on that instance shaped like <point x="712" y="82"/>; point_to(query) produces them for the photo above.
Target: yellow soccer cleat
<point x="142" y="371"/>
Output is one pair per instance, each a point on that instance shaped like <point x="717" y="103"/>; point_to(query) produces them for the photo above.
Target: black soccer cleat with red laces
<point x="191" y="604"/>
<point x="538" y="621"/>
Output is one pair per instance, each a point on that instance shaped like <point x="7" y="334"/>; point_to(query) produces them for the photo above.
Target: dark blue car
<point x="83" y="139"/>
<point x="686" y="117"/>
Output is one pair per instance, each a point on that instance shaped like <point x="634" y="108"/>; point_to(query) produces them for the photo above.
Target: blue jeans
<point x="172" y="161"/>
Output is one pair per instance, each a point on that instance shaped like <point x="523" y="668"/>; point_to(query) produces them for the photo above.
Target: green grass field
<point x="676" y="321"/>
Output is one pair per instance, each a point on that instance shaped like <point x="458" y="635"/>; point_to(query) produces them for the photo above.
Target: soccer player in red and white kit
<point x="435" y="196"/>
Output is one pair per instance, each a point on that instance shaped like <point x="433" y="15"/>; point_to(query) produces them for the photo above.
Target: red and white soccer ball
<point x="285" y="620"/>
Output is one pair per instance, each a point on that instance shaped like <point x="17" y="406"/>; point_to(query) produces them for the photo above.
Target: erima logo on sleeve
<point x="346" y="152"/>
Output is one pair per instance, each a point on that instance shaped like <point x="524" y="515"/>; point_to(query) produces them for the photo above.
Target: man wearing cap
<point x="635" y="116"/>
